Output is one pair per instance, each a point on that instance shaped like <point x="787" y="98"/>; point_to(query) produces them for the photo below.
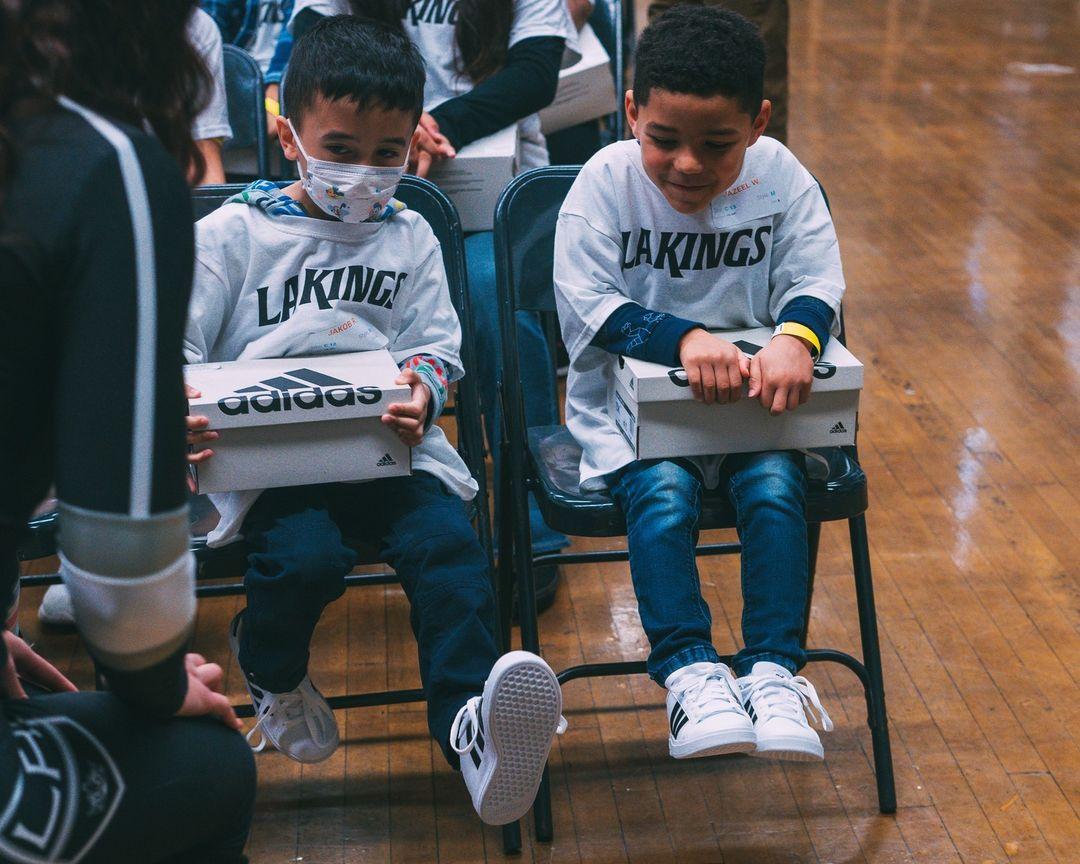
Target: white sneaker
<point x="705" y="714"/>
<point x="56" y="609"/>
<point x="778" y="702"/>
<point x="299" y="723"/>
<point x="504" y="736"/>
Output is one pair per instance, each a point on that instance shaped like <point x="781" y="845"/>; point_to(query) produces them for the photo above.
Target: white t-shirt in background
<point x="213" y="120"/>
<point x="430" y="26"/>
<point x="267" y="30"/>
<point x="764" y="241"/>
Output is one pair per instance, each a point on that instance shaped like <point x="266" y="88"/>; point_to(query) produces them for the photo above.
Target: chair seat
<point x="39" y="541"/>
<point x="836" y="489"/>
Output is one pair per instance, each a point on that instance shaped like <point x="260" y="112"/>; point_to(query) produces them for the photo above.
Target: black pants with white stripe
<point x="95" y="782"/>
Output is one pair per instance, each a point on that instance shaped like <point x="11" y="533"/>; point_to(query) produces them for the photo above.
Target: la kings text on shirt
<point x="678" y="251"/>
<point x="356" y="283"/>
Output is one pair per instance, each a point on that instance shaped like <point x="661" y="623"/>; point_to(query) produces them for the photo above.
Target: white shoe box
<point x="298" y="421"/>
<point x="475" y="178"/>
<point x="586" y="89"/>
<point x="658" y="415"/>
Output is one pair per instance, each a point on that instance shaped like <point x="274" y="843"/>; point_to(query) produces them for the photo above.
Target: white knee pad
<point x="132" y="583"/>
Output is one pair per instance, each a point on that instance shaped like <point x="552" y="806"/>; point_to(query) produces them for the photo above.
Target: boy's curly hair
<point x="704" y="51"/>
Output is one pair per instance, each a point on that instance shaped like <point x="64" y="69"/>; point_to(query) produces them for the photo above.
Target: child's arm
<point x="807" y="284"/>
<point x="426" y="346"/>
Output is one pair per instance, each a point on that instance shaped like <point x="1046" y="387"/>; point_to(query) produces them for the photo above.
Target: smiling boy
<point x="700" y="222"/>
<point x="334" y="264"/>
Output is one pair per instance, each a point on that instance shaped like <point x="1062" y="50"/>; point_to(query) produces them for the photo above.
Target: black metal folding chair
<point x="426" y="199"/>
<point x="245" y="97"/>
<point x="606" y="21"/>
<point x="536" y="460"/>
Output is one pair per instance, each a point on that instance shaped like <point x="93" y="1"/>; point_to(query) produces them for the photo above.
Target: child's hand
<point x="714" y="368"/>
<point x="407" y="418"/>
<point x="781" y="374"/>
<point x="197" y="433"/>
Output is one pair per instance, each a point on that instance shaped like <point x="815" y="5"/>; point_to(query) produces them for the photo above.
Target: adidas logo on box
<point x="299" y="422"/>
<point x="838" y="429"/>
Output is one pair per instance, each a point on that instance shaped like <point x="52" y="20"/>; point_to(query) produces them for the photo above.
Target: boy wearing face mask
<point x="291" y="272"/>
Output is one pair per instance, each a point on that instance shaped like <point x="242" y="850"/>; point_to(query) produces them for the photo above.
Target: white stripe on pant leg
<point x="142" y="425"/>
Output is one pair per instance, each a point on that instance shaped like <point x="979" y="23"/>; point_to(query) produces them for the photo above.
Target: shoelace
<point x="705" y="695"/>
<point x="470" y="711"/>
<point x="788" y="697"/>
<point x="292" y="704"/>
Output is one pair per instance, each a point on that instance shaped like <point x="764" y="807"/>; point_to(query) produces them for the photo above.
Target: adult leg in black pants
<point x="85" y="775"/>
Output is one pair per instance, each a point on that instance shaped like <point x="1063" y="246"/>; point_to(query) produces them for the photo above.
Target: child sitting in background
<point x="355" y="95"/>
<point x="702" y="223"/>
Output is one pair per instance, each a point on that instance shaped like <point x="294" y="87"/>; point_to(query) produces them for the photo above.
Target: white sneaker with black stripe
<point x="705" y="714"/>
<point x="504" y="736"/>
<point x="779" y="703"/>
<point x="299" y="723"/>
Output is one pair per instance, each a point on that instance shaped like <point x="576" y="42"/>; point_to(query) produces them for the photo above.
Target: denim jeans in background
<point x="537" y="371"/>
<point x="662" y="502"/>
<point x="298" y="563"/>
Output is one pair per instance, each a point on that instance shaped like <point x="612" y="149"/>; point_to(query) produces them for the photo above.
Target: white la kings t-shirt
<point x="213" y="120"/>
<point x="763" y="242"/>
<point x="283" y="286"/>
<point x="430" y="25"/>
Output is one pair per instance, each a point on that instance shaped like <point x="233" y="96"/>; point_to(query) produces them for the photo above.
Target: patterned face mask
<point x="349" y="192"/>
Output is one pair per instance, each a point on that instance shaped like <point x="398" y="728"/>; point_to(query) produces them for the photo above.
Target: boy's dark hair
<point x="366" y="61"/>
<point x="703" y="51"/>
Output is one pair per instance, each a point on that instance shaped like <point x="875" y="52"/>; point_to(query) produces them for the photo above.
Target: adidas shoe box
<point x="475" y="177"/>
<point x="298" y="421"/>
<point x="586" y="89"/>
<point x="659" y="416"/>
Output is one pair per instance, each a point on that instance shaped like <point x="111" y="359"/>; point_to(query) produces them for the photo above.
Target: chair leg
<point x="505" y="593"/>
<point x="511" y="835"/>
<point x="813" y="540"/>
<point x="545" y="829"/>
<point x="876" y="718"/>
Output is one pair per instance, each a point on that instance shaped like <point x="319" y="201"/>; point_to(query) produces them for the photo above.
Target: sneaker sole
<point x="234" y="646"/>
<point x="790" y="750"/>
<point x="521" y="710"/>
<point x="717" y="744"/>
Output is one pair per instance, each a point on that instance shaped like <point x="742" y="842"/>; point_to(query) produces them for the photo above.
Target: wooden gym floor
<point x="953" y="180"/>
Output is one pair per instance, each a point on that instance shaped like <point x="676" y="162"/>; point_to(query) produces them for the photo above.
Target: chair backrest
<point x="606" y="21"/>
<point x="245" y="96"/>
<point x="432" y="204"/>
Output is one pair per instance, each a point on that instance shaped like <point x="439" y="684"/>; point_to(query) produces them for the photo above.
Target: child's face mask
<point x="351" y="193"/>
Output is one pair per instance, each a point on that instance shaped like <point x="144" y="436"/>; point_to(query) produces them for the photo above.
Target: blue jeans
<point x="662" y="503"/>
<point x="537" y="372"/>
<point x="298" y="563"/>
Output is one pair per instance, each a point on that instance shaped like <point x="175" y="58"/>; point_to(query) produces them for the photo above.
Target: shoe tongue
<point x="693" y="669"/>
<point x="769" y="670"/>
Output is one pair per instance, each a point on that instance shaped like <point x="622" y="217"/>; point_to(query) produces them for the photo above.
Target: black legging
<point x="173" y="791"/>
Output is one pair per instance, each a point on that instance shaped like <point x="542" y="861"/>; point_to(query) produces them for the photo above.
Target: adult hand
<point x="407" y="418"/>
<point x="204" y="697"/>
<point x="25" y="664"/>
<point x="429" y="146"/>
<point x="781" y="374"/>
<point x="714" y="367"/>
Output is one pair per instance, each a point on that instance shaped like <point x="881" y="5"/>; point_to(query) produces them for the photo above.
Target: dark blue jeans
<point x="662" y="502"/>
<point x="298" y="565"/>
<point x="537" y="372"/>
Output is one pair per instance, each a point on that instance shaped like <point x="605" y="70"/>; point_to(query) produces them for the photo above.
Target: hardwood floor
<point x="953" y="176"/>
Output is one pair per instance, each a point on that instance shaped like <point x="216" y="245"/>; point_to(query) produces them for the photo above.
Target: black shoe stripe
<point x="676" y="715"/>
<point x="750" y="710"/>
<point x="475" y="757"/>
<point x="678" y="726"/>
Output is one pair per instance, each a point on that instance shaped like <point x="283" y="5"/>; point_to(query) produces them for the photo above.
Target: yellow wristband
<point x="272" y="106"/>
<point x="801" y="331"/>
